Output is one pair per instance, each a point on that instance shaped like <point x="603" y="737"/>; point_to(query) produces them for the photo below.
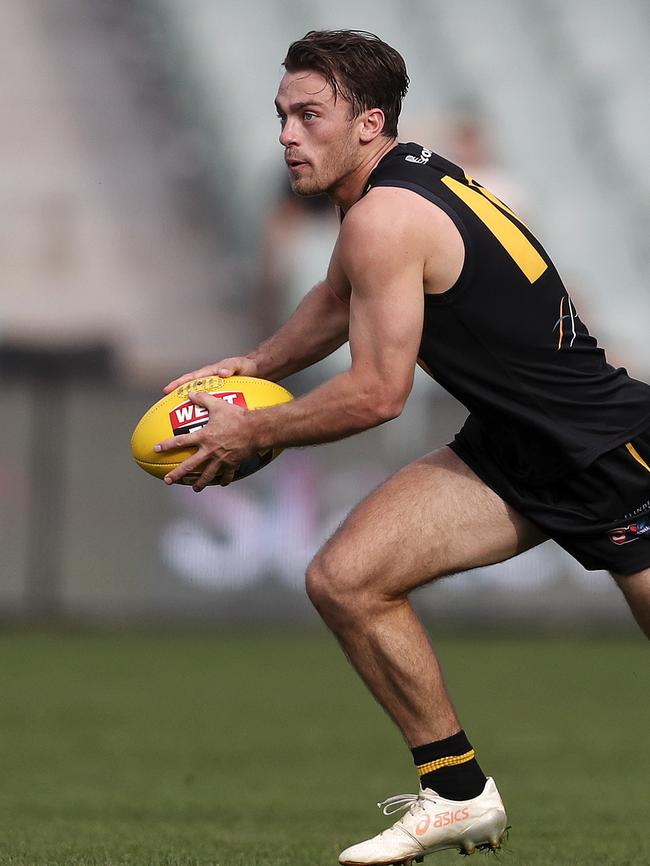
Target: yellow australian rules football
<point x="175" y="414"/>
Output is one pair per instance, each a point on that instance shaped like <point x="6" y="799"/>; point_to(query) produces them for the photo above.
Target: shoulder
<point x="384" y="213"/>
<point x="375" y="227"/>
<point x="389" y="219"/>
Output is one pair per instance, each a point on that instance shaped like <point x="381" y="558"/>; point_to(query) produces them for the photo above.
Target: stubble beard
<point x="334" y="168"/>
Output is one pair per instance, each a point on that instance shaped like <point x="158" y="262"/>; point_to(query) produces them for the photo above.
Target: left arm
<point x="386" y="310"/>
<point x="380" y="257"/>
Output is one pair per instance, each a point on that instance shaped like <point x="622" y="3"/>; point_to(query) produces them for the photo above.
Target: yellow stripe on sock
<point x="450" y="761"/>
<point x="636" y="455"/>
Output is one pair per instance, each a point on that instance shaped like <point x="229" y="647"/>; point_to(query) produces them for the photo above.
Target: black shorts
<point x="600" y="515"/>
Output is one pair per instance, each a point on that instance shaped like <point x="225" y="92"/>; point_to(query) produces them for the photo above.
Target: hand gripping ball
<point x="175" y="414"/>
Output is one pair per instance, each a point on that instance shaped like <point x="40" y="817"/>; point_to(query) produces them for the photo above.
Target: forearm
<point x="341" y="407"/>
<point x="317" y="327"/>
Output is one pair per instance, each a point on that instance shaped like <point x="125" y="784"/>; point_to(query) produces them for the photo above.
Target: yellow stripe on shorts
<point x="450" y="761"/>
<point x="636" y="455"/>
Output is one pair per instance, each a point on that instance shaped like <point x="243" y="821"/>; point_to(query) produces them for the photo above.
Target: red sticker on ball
<point x="188" y="417"/>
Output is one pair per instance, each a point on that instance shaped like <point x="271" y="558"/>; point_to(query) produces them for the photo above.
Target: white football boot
<point x="430" y="824"/>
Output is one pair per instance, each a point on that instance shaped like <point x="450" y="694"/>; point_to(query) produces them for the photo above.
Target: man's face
<point x="318" y="134"/>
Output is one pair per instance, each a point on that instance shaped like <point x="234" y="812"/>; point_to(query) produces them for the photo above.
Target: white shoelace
<point x="403" y="801"/>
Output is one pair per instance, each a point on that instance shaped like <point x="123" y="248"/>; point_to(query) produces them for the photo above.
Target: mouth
<point x="295" y="164"/>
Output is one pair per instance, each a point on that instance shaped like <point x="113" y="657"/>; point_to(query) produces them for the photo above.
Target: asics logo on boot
<point x="444" y="819"/>
<point x="423" y="825"/>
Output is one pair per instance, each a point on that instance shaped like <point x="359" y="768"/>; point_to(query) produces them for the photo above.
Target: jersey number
<point x="489" y="210"/>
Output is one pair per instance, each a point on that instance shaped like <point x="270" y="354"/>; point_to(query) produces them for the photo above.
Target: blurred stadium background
<point x="148" y="230"/>
<point x="150" y="686"/>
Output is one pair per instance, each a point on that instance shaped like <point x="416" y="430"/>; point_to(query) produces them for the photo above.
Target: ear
<point x="372" y="123"/>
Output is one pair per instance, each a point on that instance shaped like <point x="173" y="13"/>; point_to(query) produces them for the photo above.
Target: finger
<point x="202" y="398"/>
<point x="190" y="465"/>
<point x="187" y="377"/>
<point x="227" y="477"/>
<point x="185" y="440"/>
<point x="229" y="366"/>
<point x="224" y="369"/>
<point x="209" y="401"/>
<point x="209" y="474"/>
<point x="176" y="383"/>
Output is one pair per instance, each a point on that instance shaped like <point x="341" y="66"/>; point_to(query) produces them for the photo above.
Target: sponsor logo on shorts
<point x="188" y="417"/>
<point x="631" y="532"/>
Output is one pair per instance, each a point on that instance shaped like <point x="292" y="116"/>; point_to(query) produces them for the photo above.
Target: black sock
<point x="449" y="768"/>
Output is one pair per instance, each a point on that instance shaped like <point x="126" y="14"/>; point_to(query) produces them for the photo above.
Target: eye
<point x="281" y="117"/>
<point x="308" y="115"/>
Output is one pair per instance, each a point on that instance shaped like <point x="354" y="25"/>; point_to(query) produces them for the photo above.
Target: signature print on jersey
<point x="566" y="323"/>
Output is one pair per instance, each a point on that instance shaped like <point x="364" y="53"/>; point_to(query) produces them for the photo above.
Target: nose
<point x="288" y="135"/>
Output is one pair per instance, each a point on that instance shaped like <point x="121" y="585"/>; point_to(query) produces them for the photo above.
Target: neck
<point x="350" y="188"/>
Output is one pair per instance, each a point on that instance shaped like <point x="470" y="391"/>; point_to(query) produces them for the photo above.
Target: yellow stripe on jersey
<point x="512" y="239"/>
<point x="636" y="455"/>
<point x="450" y="761"/>
<point x="493" y="198"/>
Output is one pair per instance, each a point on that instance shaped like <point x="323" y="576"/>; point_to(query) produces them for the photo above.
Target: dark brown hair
<point x="358" y="66"/>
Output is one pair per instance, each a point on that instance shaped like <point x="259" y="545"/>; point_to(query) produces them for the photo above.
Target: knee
<point x="322" y="585"/>
<point x="334" y="592"/>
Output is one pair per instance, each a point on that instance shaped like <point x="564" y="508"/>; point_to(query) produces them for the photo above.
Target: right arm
<point x="317" y="328"/>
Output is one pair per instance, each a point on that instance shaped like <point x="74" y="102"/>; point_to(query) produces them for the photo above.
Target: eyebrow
<point x="299" y="106"/>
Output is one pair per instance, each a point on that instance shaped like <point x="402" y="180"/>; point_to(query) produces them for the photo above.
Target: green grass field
<point x="263" y="750"/>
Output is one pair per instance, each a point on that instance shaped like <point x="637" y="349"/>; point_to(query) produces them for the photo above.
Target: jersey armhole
<point x="463" y="277"/>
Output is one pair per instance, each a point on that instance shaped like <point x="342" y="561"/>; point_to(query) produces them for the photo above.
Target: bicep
<point x="386" y="309"/>
<point x="386" y="329"/>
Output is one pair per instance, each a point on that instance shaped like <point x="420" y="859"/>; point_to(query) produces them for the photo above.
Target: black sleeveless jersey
<point x="506" y="339"/>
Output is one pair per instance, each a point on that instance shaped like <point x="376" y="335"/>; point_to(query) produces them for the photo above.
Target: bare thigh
<point x="636" y="589"/>
<point x="433" y="518"/>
